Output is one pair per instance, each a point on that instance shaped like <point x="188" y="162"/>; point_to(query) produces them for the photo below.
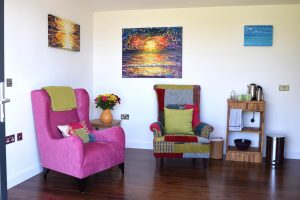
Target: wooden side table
<point x="98" y="125"/>
<point x="216" y="150"/>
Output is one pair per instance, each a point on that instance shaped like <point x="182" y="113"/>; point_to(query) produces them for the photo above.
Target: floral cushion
<point x="77" y="129"/>
<point x="204" y="130"/>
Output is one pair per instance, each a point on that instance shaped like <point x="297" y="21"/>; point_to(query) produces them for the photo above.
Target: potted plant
<point x="106" y="102"/>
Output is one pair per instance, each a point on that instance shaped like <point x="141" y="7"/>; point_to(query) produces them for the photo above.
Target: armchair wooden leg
<point x="194" y="160"/>
<point x="45" y="173"/>
<point x="122" y="166"/>
<point x="159" y="162"/>
<point x="205" y="163"/>
<point x="81" y="184"/>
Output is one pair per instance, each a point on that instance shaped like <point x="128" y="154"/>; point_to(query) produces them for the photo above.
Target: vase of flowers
<point x="106" y="102"/>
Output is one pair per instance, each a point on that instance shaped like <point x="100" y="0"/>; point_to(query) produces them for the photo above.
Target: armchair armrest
<point x="157" y="129"/>
<point x="114" y="134"/>
<point x="64" y="153"/>
<point x="203" y="130"/>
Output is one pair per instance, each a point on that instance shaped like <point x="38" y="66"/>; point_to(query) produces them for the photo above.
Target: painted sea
<point x="163" y="64"/>
<point x="260" y="35"/>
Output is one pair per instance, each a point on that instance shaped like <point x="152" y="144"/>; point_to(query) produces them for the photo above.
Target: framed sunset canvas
<point x="63" y="34"/>
<point x="152" y="52"/>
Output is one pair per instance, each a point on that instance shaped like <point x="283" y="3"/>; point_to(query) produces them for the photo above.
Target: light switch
<point x="284" y="87"/>
<point x="9" y="82"/>
<point x="125" y="116"/>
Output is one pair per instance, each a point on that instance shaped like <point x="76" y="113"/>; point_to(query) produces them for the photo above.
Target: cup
<point x="233" y="95"/>
<point x="241" y="97"/>
<point x="247" y="97"/>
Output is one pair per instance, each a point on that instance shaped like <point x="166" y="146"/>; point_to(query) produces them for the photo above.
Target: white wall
<point x="213" y="57"/>
<point x="32" y="64"/>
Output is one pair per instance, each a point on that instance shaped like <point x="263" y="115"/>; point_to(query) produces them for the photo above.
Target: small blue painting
<point x="258" y="35"/>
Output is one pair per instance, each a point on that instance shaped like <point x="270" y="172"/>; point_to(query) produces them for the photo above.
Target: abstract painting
<point x="259" y="35"/>
<point x="63" y="34"/>
<point x="152" y="52"/>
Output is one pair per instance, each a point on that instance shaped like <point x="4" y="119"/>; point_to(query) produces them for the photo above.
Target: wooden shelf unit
<point x="251" y="149"/>
<point x="253" y="154"/>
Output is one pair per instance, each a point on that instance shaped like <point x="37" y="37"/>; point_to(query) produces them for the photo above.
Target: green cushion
<point x="178" y="121"/>
<point x="82" y="133"/>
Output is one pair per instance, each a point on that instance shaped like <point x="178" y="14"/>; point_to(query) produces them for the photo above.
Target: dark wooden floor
<point x="176" y="179"/>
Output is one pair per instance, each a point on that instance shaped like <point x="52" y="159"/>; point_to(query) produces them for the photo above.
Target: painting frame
<point x="152" y="52"/>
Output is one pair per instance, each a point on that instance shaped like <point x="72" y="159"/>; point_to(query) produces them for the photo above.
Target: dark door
<point x="3" y="183"/>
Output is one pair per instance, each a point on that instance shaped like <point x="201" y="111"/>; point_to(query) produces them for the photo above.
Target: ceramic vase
<point x="106" y="117"/>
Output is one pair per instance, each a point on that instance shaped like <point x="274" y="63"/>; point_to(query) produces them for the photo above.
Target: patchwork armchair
<point x="176" y="104"/>
<point x="70" y="155"/>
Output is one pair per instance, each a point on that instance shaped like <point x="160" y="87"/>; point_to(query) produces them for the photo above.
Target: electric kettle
<point x="259" y="93"/>
<point x="252" y="91"/>
<point x="256" y="92"/>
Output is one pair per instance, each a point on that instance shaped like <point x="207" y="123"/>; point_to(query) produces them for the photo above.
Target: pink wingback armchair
<point x="70" y="155"/>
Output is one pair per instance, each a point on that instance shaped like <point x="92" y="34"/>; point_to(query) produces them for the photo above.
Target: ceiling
<point x="109" y="5"/>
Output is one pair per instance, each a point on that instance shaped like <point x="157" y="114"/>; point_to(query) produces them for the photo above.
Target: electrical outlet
<point x="19" y="136"/>
<point x="284" y="87"/>
<point x="125" y="116"/>
<point x="9" y="139"/>
<point x="9" y="82"/>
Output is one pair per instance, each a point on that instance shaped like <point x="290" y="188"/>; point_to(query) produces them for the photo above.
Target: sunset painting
<point x="63" y="34"/>
<point x="152" y="52"/>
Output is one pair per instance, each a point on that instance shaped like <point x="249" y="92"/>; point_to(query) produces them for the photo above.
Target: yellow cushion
<point x="178" y="121"/>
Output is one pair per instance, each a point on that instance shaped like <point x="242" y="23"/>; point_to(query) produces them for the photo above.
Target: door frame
<point x="3" y="173"/>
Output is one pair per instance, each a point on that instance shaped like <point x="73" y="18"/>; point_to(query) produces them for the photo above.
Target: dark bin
<point x="275" y="149"/>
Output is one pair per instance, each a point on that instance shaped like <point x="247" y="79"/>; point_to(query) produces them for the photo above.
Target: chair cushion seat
<point x="181" y="146"/>
<point x="181" y="149"/>
<point x="179" y="138"/>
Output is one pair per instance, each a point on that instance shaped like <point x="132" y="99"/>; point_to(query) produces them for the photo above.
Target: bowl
<point x="242" y="144"/>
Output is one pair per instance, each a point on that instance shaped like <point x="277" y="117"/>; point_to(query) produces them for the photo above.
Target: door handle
<point x="3" y="101"/>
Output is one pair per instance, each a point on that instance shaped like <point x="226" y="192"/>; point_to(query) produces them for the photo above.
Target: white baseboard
<point x="139" y="145"/>
<point x="23" y="176"/>
<point x="292" y="155"/>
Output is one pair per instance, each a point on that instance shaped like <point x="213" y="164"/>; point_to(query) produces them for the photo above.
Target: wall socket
<point x="9" y="82"/>
<point x="19" y="136"/>
<point x="125" y="116"/>
<point x="284" y="87"/>
<point x="10" y="139"/>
